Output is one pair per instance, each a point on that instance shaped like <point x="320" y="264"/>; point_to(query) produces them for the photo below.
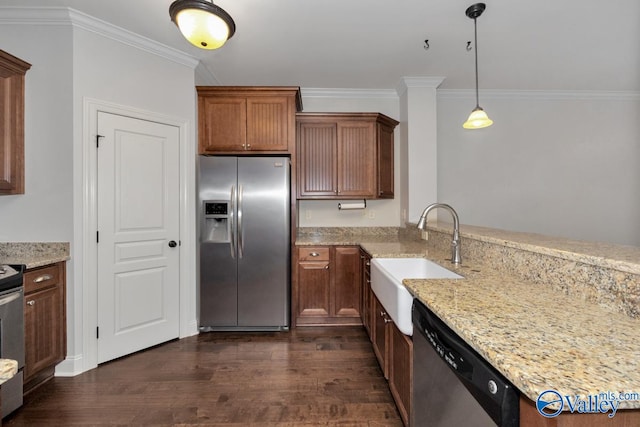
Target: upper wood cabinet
<point x="345" y="155"/>
<point x="12" y="75"/>
<point x="238" y="119"/>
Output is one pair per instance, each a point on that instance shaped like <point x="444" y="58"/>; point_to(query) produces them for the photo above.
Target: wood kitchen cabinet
<point x="345" y="155"/>
<point x="45" y="323"/>
<point x="247" y="120"/>
<point x="401" y="370"/>
<point x="394" y="351"/>
<point x="365" y="290"/>
<point x="328" y="286"/>
<point x="12" y="76"/>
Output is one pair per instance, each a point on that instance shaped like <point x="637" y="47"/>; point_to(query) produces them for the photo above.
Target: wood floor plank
<point x="305" y="377"/>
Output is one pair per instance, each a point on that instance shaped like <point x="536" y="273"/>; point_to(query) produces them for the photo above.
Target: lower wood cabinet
<point x="365" y="290"/>
<point x="45" y="323"/>
<point x="328" y="286"/>
<point x="394" y="351"/>
<point x="401" y="370"/>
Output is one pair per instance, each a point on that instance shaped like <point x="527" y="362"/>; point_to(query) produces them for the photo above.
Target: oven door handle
<point x="9" y="298"/>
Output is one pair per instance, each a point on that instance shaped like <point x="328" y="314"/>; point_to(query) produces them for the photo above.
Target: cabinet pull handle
<point x="42" y="278"/>
<point x="387" y="320"/>
<point x="368" y="263"/>
<point x="314" y="254"/>
<point x="31" y="302"/>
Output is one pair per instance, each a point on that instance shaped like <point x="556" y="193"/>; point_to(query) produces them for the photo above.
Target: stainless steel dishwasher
<point x="452" y="384"/>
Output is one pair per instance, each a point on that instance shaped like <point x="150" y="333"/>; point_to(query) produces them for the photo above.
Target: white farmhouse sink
<point x="386" y="282"/>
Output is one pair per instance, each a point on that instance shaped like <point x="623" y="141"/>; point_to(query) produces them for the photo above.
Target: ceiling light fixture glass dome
<point x="202" y="23"/>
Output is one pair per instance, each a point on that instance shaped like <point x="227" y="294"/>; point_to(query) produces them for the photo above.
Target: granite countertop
<point x="537" y="337"/>
<point x="32" y="255"/>
<point x="8" y="368"/>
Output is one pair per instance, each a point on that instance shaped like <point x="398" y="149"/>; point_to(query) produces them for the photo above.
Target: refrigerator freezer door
<point x="218" y="268"/>
<point x="263" y="241"/>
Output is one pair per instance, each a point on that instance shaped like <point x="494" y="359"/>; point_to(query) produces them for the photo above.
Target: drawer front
<point x="41" y="278"/>
<point x="313" y="254"/>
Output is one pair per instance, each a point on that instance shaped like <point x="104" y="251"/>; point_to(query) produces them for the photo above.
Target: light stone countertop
<point x="33" y="254"/>
<point x="8" y="369"/>
<point x="535" y="336"/>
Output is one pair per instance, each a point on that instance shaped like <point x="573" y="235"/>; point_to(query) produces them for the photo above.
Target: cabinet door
<point x="356" y="159"/>
<point x="268" y="123"/>
<point x="12" y="76"/>
<point x="317" y="163"/>
<point x="44" y="330"/>
<point x="346" y="282"/>
<point x="222" y="124"/>
<point x="365" y="290"/>
<point x="400" y="370"/>
<point x="313" y="288"/>
<point x="385" y="162"/>
<point x="380" y="335"/>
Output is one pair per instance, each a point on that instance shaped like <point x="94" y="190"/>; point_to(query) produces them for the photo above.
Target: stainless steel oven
<point x="452" y="384"/>
<point x="12" y="333"/>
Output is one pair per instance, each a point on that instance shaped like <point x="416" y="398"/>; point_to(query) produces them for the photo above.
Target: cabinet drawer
<point x="313" y="254"/>
<point x="41" y="278"/>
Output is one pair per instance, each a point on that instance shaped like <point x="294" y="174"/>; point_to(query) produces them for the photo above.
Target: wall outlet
<point x="307" y="214"/>
<point x="424" y="235"/>
<point x="403" y="216"/>
<point x="372" y="214"/>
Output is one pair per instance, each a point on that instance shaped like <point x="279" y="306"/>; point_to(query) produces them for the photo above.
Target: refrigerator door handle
<point x="240" y="229"/>
<point x="232" y="206"/>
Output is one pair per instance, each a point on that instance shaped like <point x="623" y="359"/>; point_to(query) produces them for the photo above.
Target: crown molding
<point x="418" y="82"/>
<point x="348" y="93"/>
<point x="547" y="95"/>
<point x="67" y="16"/>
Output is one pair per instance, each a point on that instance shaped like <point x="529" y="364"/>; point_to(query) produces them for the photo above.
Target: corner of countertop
<point x="34" y="254"/>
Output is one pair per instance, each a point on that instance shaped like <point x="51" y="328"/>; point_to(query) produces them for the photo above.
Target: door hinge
<point x="97" y="237"/>
<point x="97" y="332"/>
<point x="98" y="140"/>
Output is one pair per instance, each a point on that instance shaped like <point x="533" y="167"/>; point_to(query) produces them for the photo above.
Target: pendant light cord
<point x="475" y="35"/>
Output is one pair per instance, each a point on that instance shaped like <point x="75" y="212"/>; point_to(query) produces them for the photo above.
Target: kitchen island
<point x="548" y="313"/>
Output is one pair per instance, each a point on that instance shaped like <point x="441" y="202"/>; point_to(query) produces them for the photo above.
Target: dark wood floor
<point x="305" y="377"/>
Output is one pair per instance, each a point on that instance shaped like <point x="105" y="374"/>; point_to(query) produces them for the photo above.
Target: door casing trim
<point x="85" y="320"/>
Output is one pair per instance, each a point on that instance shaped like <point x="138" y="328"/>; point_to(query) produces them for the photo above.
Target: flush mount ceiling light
<point x="204" y="24"/>
<point x="478" y="118"/>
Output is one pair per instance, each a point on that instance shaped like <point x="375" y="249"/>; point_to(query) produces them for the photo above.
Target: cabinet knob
<point x="326" y="267"/>
<point x="368" y="263"/>
<point x="248" y="146"/>
<point x="314" y="254"/>
<point x="387" y="320"/>
<point x="31" y="302"/>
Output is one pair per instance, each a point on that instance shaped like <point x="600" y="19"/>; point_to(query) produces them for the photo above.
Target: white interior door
<point x="138" y="223"/>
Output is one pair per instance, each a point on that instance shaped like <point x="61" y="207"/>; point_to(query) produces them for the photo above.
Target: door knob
<point x="172" y="244"/>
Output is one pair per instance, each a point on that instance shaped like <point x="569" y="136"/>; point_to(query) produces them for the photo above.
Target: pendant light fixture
<point x="478" y="118"/>
<point x="204" y="24"/>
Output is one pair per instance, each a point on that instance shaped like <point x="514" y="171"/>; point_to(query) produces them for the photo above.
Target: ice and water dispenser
<point x="216" y="221"/>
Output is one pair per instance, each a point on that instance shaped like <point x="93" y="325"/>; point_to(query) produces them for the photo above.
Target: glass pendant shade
<point x="477" y="119"/>
<point x="202" y="23"/>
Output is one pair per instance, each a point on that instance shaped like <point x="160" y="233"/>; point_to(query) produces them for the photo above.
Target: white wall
<point x="75" y="58"/>
<point x="379" y="213"/>
<point x="552" y="163"/>
<point x="44" y="212"/>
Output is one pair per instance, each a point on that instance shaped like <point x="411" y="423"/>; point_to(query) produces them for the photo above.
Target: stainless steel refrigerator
<point x="245" y="255"/>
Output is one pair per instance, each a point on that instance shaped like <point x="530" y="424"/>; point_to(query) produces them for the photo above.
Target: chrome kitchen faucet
<point x="455" y="242"/>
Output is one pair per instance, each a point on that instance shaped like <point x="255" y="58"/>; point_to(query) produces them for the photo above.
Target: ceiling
<point x="564" y="45"/>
